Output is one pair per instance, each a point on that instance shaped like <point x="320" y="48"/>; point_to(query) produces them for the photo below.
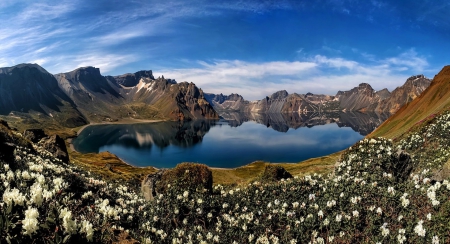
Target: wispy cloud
<point x="408" y="60"/>
<point x="320" y="75"/>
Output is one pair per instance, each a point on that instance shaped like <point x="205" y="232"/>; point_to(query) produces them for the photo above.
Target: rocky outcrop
<point x="8" y="142"/>
<point x="400" y="166"/>
<point x="34" y="135"/>
<point x="130" y="80"/>
<point x="148" y="185"/>
<point x="187" y="176"/>
<point x="384" y="93"/>
<point x="56" y="146"/>
<point x="190" y="100"/>
<point x="274" y="173"/>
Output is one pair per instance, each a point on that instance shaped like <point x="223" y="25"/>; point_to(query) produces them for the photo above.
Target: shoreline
<point x="123" y="122"/>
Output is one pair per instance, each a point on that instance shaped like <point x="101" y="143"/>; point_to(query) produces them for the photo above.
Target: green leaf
<point x="51" y="220"/>
<point x="57" y="238"/>
<point x="45" y="226"/>
<point x="66" y="238"/>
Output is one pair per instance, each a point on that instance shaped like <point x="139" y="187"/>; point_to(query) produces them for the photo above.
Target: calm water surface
<point x="214" y="143"/>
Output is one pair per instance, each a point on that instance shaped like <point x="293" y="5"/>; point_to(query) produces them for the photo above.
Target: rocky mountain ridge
<point x="74" y="98"/>
<point x="361" y="98"/>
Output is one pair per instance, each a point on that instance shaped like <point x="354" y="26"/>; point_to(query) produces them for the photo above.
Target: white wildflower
<point x="30" y="224"/>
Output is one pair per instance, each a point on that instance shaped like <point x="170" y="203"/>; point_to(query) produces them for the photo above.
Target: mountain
<point x="92" y="93"/>
<point x="137" y="95"/>
<point x="359" y="98"/>
<point x="30" y="89"/>
<point x="233" y="102"/>
<point x="83" y="95"/>
<point x="362" y="98"/>
<point x="412" y="88"/>
<point x="433" y="100"/>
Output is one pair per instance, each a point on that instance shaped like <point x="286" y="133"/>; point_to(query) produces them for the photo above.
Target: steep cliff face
<point x="130" y="80"/>
<point x="412" y="88"/>
<point x="137" y="95"/>
<point x="186" y="101"/>
<point x="28" y="88"/>
<point x="358" y="98"/>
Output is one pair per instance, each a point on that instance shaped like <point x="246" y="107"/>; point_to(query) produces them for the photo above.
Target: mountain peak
<point x="279" y="94"/>
<point x="87" y="70"/>
<point x="22" y="66"/>
<point x="365" y="85"/>
<point x="132" y="79"/>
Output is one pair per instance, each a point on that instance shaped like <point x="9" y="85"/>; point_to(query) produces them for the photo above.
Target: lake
<point x="230" y="142"/>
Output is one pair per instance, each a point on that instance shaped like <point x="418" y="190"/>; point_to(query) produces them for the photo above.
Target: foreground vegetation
<point x="380" y="192"/>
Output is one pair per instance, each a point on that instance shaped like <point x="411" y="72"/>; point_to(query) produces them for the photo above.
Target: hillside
<point x="29" y="89"/>
<point x="433" y="100"/>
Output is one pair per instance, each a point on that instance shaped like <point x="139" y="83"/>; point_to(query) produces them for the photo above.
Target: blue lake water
<point x="214" y="143"/>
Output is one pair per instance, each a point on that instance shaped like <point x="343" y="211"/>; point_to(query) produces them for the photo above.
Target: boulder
<point x="148" y="185"/>
<point x="34" y="135"/>
<point x="400" y="165"/>
<point x="275" y="173"/>
<point x="441" y="173"/>
<point x="4" y="123"/>
<point x="55" y="145"/>
<point x="9" y="141"/>
<point x="6" y="151"/>
<point x="187" y="176"/>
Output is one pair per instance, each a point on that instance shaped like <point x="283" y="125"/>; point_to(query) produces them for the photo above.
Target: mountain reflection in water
<point x="230" y="141"/>
<point x="363" y="123"/>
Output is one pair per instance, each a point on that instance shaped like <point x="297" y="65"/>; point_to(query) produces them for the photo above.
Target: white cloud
<point x="319" y="75"/>
<point x="409" y="60"/>
<point x="335" y="62"/>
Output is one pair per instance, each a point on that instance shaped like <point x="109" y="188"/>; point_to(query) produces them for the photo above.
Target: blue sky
<point x="253" y="48"/>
